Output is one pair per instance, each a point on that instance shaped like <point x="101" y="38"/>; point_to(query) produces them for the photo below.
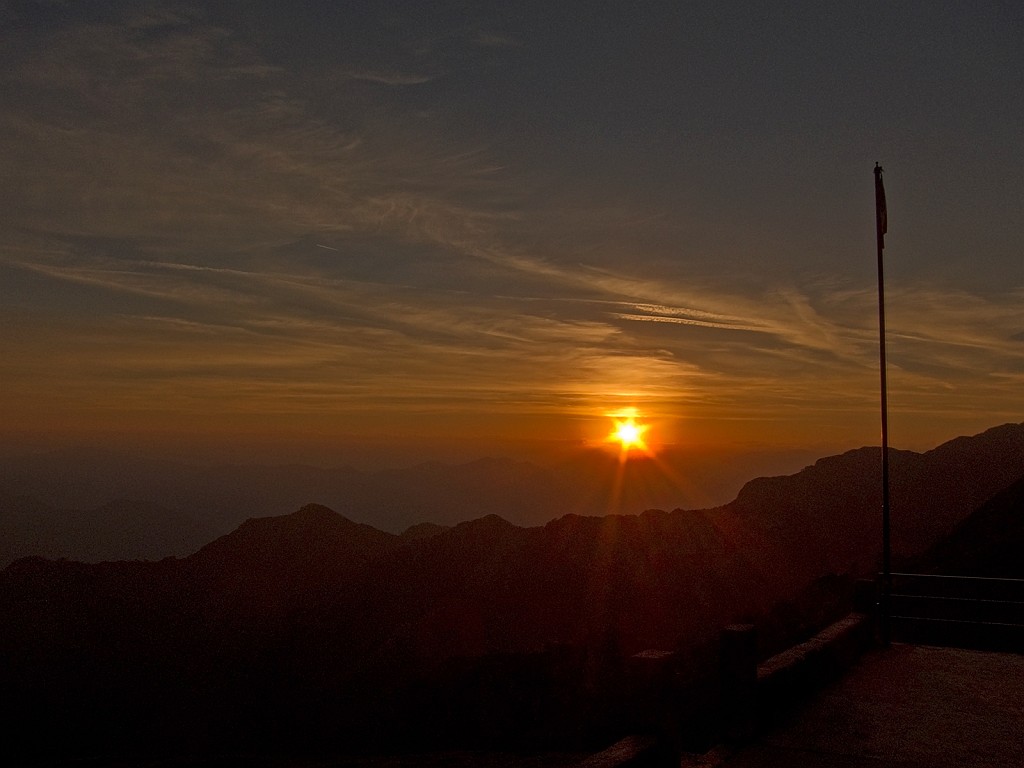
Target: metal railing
<point x="961" y="611"/>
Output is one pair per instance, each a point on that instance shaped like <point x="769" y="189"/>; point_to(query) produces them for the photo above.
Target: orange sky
<point x="275" y="226"/>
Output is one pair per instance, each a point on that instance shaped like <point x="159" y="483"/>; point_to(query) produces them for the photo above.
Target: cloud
<point x="207" y="228"/>
<point x="494" y="40"/>
<point x="387" y="78"/>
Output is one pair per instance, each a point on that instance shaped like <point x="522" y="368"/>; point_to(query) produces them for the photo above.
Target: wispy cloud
<point x="387" y="78"/>
<point x="494" y="40"/>
<point x="200" y="225"/>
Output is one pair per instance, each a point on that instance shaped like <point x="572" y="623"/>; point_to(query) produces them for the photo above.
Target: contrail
<point x="320" y="245"/>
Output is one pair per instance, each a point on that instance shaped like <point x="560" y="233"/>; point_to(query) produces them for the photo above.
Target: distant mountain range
<point x="295" y="621"/>
<point x="95" y="505"/>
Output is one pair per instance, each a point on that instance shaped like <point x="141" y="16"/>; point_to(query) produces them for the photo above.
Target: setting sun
<point x="628" y="433"/>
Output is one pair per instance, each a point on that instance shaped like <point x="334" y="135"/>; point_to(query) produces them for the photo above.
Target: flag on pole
<point x="881" y="217"/>
<point x="881" y="225"/>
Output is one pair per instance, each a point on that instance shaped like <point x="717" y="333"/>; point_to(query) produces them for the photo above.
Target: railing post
<point x="865" y="601"/>
<point x="738" y="667"/>
<point x="654" y="693"/>
<point x="865" y="597"/>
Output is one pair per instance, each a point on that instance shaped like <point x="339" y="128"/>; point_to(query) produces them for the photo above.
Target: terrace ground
<point x="907" y="706"/>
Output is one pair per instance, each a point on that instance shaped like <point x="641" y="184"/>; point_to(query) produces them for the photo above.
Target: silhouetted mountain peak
<point x="488" y="525"/>
<point x="312" y="520"/>
<point x="979" y="452"/>
<point x="930" y="493"/>
<point x="488" y="531"/>
<point x="1009" y="434"/>
<point x="490" y="522"/>
<point x="313" y="532"/>
<point x="317" y="513"/>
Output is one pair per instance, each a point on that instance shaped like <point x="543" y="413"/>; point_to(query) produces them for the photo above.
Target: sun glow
<point x="628" y="432"/>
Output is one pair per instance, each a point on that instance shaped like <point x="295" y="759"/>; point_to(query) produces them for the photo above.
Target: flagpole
<point x="881" y="225"/>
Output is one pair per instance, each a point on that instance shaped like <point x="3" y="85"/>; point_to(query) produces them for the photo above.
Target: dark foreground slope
<point x="990" y="542"/>
<point x="312" y="631"/>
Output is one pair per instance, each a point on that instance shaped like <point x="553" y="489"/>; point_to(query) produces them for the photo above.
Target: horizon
<point x="606" y="479"/>
<point x="103" y="504"/>
<point x="385" y="233"/>
<point x="331" y="453"/>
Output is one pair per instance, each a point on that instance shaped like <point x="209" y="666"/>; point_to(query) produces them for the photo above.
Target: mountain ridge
<point x="185" y="529"/>
<point x="205" y="502"/>
<point x="309" y="619"/>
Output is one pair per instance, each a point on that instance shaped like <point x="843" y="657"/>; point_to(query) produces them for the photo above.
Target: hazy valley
<point x="95" y="505"/>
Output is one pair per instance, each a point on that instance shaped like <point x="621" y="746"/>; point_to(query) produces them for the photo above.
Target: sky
<point x="478" y="227"/>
